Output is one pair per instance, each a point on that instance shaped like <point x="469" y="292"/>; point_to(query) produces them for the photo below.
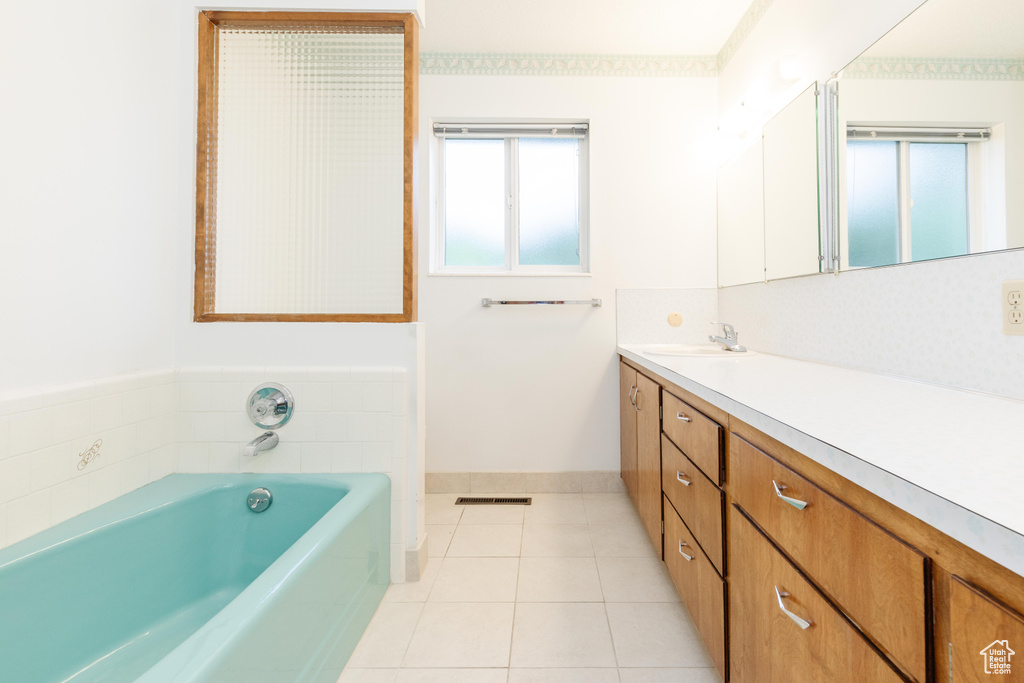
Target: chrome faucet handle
<point x="728" y="330"/>
<point x="730" y="342"/>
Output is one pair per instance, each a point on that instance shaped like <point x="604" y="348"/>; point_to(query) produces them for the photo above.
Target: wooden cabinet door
<point x="987" y="638"/>
<point x="648" y="457"/>
<point x="767" y="645"/>
<point x="627" y="429"/>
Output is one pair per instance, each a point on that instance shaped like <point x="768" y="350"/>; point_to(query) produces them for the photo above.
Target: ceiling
<point x="993" y="29"/>
<point x="648" y="27"/>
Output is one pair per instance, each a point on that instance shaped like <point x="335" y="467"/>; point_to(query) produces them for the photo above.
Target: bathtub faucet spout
<point x="263" y="442"/>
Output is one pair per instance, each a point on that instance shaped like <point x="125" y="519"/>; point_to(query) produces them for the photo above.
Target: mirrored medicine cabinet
<point x="930" y="130"/>
<point x="768" y="200"/>
<point x="928" y="148"/>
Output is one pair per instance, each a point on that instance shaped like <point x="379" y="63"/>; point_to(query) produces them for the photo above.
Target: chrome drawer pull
<point x="802" y="623"/>
<point x="688" y="557"/>
<point x="680" y="475"/>
<point x="798" y="504"/>
<point x="632" y="398"/>
<point x="680" y="416"/>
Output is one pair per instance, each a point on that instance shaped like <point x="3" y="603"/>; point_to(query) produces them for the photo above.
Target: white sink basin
<point x="698" y="351"/>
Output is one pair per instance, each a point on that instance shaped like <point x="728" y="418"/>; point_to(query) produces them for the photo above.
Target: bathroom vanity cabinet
<point x="793" y="573"/>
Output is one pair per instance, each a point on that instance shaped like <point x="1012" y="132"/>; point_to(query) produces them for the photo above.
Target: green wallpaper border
<point x="742" y="31"/>
<point x="526" y="64"/>
<point x="919" y="68"/>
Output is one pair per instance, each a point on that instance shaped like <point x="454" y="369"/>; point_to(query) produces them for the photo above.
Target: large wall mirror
<point x="791" y="213"/>
<point x="768" y="201"/>
<point x="741" y="218"/>
<point x="931" y="137"/>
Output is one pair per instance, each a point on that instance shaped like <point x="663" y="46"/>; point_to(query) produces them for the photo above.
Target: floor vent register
<point x="467" y="500"/>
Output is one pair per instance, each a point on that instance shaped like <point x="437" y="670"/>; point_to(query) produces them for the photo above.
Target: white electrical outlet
<point x="1013" y="307"/>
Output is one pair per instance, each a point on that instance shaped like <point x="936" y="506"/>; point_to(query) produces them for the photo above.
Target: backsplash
<point x="938" y="321"/>
<point x="345" y="420"/>
<point x="72" y="448"/>
<point x="642" y="315"/>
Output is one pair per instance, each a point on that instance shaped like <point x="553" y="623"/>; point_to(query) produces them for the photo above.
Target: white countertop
<point x="953" y="459"/>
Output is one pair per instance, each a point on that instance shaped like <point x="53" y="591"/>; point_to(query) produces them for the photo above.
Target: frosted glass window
<point x="906" y="201"/>
<point x="474" y="180"/>
<point x="938" y="194"/>
<point x="549" y="208"/>
<point x="872" y="195"/>
<point x="512" y="198"/>
<point x="305" y="213"/>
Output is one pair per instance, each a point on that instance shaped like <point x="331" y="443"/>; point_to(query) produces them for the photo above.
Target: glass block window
<point x="306" y="212"/>
<point x="512" y="198"/>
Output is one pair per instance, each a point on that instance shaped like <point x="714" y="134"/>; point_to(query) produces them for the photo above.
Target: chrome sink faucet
<point x="263" y="442"/>
<point x="730" y="342"/>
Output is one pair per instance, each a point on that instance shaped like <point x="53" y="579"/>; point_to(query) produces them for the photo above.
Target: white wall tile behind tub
<point x="641" y="315"/>
<point x="70" y="448"/>
<point x="145" y="426"/>
<point x="938" y="321"/>
<point x="345" y="420"/>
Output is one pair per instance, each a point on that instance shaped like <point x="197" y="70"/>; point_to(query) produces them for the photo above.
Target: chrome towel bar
<point x="487" y="303"/>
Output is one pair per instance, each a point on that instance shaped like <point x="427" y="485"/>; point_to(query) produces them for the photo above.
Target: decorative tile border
<point x="919" y="68"/>
<point x="487" y="63"/>
<point x="743" y="30"/>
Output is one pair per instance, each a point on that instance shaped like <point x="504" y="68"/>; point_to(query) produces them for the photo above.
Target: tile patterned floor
<point x="567" y="590"/>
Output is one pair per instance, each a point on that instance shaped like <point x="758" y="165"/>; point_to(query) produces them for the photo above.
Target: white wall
<point x="809" y="39"/>
<point x="87" y="186"/>
<point x="534" y="389"/>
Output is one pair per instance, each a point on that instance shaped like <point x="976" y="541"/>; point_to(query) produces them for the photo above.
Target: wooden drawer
<point x="698" y="584"/>
<point x="986" y="637"/>
<point x="695" y="435"/>
<point x="843" y="552"/>
<point x="697" y="500"/>
<point x="767" y="645"/>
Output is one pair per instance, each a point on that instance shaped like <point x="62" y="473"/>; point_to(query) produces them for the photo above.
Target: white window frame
<point x="975" y="183"/>
<point x="510" y="133"/>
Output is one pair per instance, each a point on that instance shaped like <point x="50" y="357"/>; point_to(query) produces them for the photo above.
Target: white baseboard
<point x="525" y="482"/>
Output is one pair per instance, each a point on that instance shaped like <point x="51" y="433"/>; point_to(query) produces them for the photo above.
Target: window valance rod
<point x="917" y="133"/>
<point x="495" y="130"/>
